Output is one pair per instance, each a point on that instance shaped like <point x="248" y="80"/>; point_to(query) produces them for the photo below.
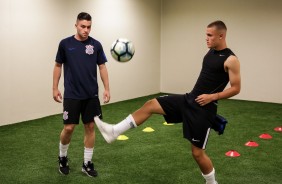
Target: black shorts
<point x="88" y="109"/>
<point x="197" y="120"/>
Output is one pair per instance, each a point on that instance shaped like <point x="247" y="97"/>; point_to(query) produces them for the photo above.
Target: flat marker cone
<point x="122" y="138"/>
<point x="168" y="124"/>
<point x="278" y="129"/>
<point x="251" y="144"/>
<point x="148" y="129"/>
<point x="265" y="136"/>
<point x="232" y="153"/>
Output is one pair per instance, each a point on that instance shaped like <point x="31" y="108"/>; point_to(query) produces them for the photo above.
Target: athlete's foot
<point x="106" y="130"/>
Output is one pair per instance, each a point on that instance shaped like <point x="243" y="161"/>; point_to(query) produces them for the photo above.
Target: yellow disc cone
<point x="148" y="129"/>
<point x="165" y="123"/>
<point x="122" y="138"/>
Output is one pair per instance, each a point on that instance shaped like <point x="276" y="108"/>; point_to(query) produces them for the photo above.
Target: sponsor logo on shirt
<point x="71" y="49"/>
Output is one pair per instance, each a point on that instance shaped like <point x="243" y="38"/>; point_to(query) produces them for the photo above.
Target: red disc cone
<point x="265" y="136"/>
<point x="251" y="144"/>
<point x="232" y="153"/>
<point x="278" y="129"/>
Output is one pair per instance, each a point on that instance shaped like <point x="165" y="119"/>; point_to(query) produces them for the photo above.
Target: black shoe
<point x="63" y="165"/>
<point x="89" y="169"/>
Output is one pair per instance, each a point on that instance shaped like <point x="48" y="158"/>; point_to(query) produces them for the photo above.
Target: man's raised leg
<point x="111" y="132"/>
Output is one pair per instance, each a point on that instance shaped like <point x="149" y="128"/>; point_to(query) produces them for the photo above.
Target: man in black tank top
<point x="197" y="109"/>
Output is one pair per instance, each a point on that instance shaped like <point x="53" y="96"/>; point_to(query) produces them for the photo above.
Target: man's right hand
<point x="57" y="96"/>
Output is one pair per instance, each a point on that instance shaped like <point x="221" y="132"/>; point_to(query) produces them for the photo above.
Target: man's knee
<point x="198" y="153"/>
<point x="89" y="127"/>
<point x="153" y="106"/>
<point x="150" y="103"/>
<point x="68" y="129"/>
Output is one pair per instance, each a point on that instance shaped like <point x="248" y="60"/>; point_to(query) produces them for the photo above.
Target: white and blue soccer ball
<point x="122" y="50"/>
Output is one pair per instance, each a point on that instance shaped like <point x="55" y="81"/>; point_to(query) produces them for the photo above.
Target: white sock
<point x="63" y="149"/>
<point x="210" y="178"/>
<point x="88" y="153"/>
<point x="124" y="125"/>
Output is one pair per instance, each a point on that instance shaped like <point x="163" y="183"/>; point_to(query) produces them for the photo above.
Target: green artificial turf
<point x="29" y="150"/>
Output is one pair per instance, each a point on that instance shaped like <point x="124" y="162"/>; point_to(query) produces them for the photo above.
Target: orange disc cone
<point x="232" y="153"/>
<point x="251" y="144"/>
<point x="278" y="129"/>
<point x="265" y="136"/>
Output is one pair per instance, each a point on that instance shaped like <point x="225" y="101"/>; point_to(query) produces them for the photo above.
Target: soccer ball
<point x="122" y="50"/>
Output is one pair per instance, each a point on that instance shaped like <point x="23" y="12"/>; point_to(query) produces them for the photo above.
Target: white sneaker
<point x="106" y="130"/>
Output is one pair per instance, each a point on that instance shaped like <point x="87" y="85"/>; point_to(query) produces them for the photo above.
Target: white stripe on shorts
<point x="206" y="139"/>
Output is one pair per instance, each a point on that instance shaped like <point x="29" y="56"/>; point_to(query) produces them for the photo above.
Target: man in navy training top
<point x="197" y="109"/>
<point x="80" y="55"/>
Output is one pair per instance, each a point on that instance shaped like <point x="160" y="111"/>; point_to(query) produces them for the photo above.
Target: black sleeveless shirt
<point x="213" y="78"/>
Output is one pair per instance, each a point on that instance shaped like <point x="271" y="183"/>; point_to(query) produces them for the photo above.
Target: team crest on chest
<point x="89" y="49"/>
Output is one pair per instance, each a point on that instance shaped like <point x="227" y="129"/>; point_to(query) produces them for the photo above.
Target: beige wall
<point x="31" y="31"/>
<point x="254" y="34"/>
<point x="169" y="37"/>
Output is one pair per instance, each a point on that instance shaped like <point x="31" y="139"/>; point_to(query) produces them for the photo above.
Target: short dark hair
<point x="84" y="16"/>
<point x="218" y="24"/>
